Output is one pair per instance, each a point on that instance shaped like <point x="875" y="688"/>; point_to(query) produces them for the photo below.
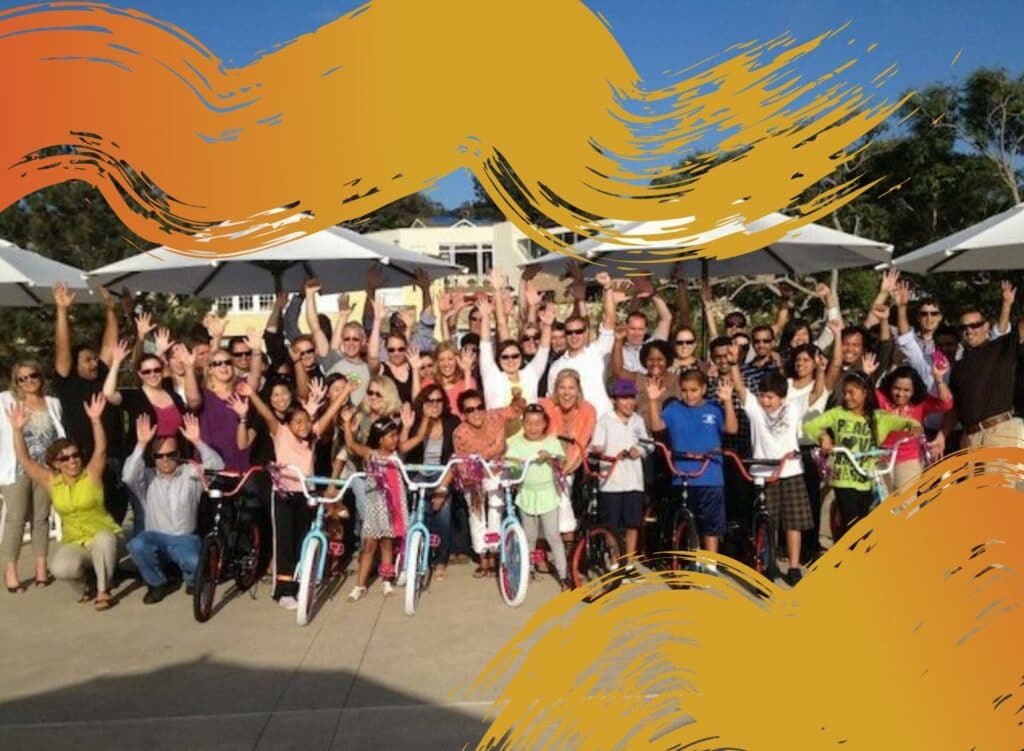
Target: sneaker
<point x="387" y="587"/>
<point x="156" y="594"/>
<point x="288" y="603"/>
<point x="400" y="581"/>
<point x="793" y="576"/>
<point x="356" y="594"/>
<point x="190" y="589"/>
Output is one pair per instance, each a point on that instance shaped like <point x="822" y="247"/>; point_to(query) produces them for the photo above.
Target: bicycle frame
<point x="217" y="495"/>
<point x="876" y="474"/>
<point x="507" y="486"/>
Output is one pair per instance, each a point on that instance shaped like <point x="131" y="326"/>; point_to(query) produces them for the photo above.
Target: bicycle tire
<point x="684" y="539"/>
<point x="762" y="533"/>
<point x="307" y="582"/>
<point x="595" y="554"/>
<point x="413" y="580"/>
<point x="247" y="555"/>
<point x="514" y="562"/>
<point x="207" y="575"/>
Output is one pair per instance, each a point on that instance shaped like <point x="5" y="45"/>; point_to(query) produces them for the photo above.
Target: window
<point x="225" y="304"/>
<point x="266" y="302"/>
<point x="245" y="302"/>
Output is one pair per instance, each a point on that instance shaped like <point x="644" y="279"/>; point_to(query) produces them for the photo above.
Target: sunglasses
<point x="685" y="342"/>
<point x="530" y="338"/>
<point x="29" y="377"/>
<point x="396" y="350"/>
<point x="67" y="457"/>
<point x="220" y="363"/>
<point x="512" y="356"/>
<point x="166" y="455"/>
<point x="307" y="352"/>
<point x="247" y="353"/>
<point x="971" y="326"/>
<point x="426" y="366"/>
<point x="377" y="394"/>
<point x="151" y="371"/>
<point x="575" y="332"/>
<point x="468" y="410"/>
<point x="929" y="313"/>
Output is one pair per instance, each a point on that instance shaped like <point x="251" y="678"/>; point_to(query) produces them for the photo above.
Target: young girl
<point x="858" y="426"/>
<point x="384" y="513"/>
<point x="538" y="496"/>
<point x="902" y="392"/>
<point x="294" y="439"/>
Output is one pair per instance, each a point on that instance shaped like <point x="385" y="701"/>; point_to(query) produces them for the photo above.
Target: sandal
<point x="104" y="602"/>
<point x="43" y="583"/>
<point x="480" y="573"/>
<point x="17" y="590"/>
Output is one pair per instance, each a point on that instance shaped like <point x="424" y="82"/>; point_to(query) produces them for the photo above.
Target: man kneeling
<point x="170" y="498"/>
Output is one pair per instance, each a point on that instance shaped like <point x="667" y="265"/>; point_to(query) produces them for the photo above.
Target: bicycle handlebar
<point x="243" y="477"/>
<point x="496" y="476"/>
<point x="671" y="456"/>
<point x="599" y="473"/>
<point x="744" y="464"/>
<point x="404" y="468"/>
<point x="306" y="481"/>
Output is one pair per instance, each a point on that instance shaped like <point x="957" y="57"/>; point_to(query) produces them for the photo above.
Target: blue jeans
<point x="151" y="550"/>
<point x="440" y="523"/>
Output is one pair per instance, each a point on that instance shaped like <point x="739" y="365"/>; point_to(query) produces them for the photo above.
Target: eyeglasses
<point x="575" y="332"/>
<point x="247" y="353"/>
<point x="763" y="341"/>
<point x="151" y="371"/>
<point x="396" y="350"/>
<point x="929" y="313"/>
<point x="468" y="410"/>
<point x="685" y="342"/>
<point x="307" y="352"/>
<point x="435" y="400"/>
<point x="220" y="363"/>
<point x="973" y="326"/>
<point x="377" y="394"/>
<point x="511" y="356"/>
<point x="166" y="455"/>
<point x="67" y="457"/>
<point x="29" y="377"/>
<point x="352" y="339"/>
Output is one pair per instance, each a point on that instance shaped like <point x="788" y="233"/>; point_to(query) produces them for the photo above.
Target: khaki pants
<point x="72" y="562"/>
<point x="903" y="474"/>
<point x="1008" y="434"/>
<point x="25" y="500"/>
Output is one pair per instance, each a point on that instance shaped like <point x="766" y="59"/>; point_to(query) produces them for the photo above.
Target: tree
<point x="400" y="213"/>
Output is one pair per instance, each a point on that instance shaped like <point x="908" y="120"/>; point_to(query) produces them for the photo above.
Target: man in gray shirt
<point x="169" y="493"/>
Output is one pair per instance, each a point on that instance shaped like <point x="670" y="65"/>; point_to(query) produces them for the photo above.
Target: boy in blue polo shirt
<point x="695" y="426"/>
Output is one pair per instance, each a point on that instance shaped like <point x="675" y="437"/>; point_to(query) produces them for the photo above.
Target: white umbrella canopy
<point x="809" y="249"/>
<point x="339" y="257"/>
<point x="27" y="278"/>
<point x="996" y="244"/>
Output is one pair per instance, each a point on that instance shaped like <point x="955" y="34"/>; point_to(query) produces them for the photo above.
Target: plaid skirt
<point x="788" y="504"/>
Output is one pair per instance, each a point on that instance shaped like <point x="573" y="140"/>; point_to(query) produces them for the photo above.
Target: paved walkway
<point x="360" y="676"/>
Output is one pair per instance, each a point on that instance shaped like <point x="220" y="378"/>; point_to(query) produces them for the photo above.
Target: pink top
<point x="292" y="450"/>
<point x="168" y="420"/>
<point x="910" y="451"/>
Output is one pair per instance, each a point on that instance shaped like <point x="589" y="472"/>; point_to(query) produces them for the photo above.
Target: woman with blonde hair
<point x="22" y="494"/>
<point x="453" y="372"/>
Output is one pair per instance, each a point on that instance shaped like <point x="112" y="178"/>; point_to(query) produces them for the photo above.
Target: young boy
<point x="696" y="426"/>
<point x="775" y="428"/>
<point x="620" y="502"/>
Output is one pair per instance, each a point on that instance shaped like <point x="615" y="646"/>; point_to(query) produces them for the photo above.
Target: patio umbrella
<point x="27" y="278"/>
<point x="995" y="244"/>
<point x="338" y="257"/>
<point x="805" y="250"/>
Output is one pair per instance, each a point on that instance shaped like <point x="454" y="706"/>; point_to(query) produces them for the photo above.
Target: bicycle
<point x="513" y="553"/>
<point x="597" y="549"/>
<point x="226" y="551"/>
<point x="419" y="543"/>
<point x="315" y="549"/>
<point x="676" y="534"/>
<point x="758" y="547"/>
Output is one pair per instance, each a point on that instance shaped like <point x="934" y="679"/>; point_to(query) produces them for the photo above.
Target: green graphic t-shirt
<point x="851" y="431"/>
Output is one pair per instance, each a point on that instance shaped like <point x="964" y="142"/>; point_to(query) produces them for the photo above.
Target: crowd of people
<point x="126" y="424"/>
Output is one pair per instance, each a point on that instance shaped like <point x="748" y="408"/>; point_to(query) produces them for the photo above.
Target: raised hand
<point x="483" y="304"/>
<point x="939" y="370"/>
<point x="466" y="360"/>
<point x="188" y="357"/>
<point x="785" y="291"/>
<point x="144" y="324"/>
<point x="869" y="363"/>
<point x="63" y="297"/>
<point x="374" y="278"/>
<point x="311" y="286"/>
<point x="17" y="415"/>
<point x="546" y="315"/>
<point x="445" y="303"/>
<point x="254" y="340"/>
<point x="408" y="417"/>
<point x="280" y="300"/>
<point x="1008" y="292"/>
<point x="162" y="340"/>
<point x="108" y="299"/>
<point x="120" y="351"/>
<point x="317" y="390"/>
<point x="498" y="278"/>
<point x="725" y="389"/>
<point x="642" y="287"/>
<point x="95" y="406"/>
<point x="239" y="405"/>
<point x="412" y="354"/>
<point x="706" y="295"/>
<point x="655" y="389"/>
<point x="823" y="291"/>
<point x="619" y="291"/>
<point x="406" y="318"/>
<point x="881" y="310"/>
<point x="145" y="429"/>
<point x="531" y="295"/>
<point x="378" y="309"/>
<point x="836" y="327"/>
<point x="214" y="325"/>
<point x="620" y="332"/>
<point x="190" y="429"/>
<point x="243" y="389"/>
<point x="458" y="301"/>
<point x="529" y="272"/>
<point x="604" y="279"/>
<point x="902" y="294"/>
<point x="889" y="279"/>
<point x="347" y="413"/>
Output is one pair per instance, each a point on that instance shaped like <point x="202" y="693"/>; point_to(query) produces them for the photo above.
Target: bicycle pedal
<point x="435" y="541"/>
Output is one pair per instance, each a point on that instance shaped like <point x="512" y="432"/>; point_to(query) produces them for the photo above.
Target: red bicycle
<point x="597" y="549"/>
<point x="231" y="549"/>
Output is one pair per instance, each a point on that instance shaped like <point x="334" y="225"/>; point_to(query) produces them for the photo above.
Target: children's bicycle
<point x="597" y="549"/>
<point x="671" y="530"/>
<point x="419" y="543"/>
<point x="316" y="549"/>
<point x="230" y="549"/>
<point x="513" y="554"/>
<point x="757" y="546"/>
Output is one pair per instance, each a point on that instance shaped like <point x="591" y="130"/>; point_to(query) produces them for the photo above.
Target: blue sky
<point x="921" y="37"/>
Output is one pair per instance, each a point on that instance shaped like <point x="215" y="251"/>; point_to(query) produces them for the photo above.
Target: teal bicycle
<point x="313" y="555"/>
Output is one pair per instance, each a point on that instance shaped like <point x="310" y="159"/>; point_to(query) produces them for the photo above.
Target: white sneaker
<point x="388" y="587"/>
<point x="357" y="593"/>
<point x="400" y="581"/>
<point x="288" y="603"/>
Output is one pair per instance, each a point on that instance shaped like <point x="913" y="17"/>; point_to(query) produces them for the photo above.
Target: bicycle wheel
<point x="207" y="574"/>
<point x="413" y="579"/>
<point x="247" y="555"/>
<point x="308" y="569"/>
<point x="514" y="574"/>
<point x="764" y="545"/>
<point x="684" y="539"/>
<point x="594" y="554"/>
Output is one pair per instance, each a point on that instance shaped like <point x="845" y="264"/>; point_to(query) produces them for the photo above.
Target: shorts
<point x="623" y="510"/>
<point x="707" y="504"/>
<point x="788" y="503"/>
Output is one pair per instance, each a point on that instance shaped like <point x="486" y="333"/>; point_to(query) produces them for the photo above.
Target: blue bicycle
<point x="514" y="554"/>
<point x="309" y="573"/>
